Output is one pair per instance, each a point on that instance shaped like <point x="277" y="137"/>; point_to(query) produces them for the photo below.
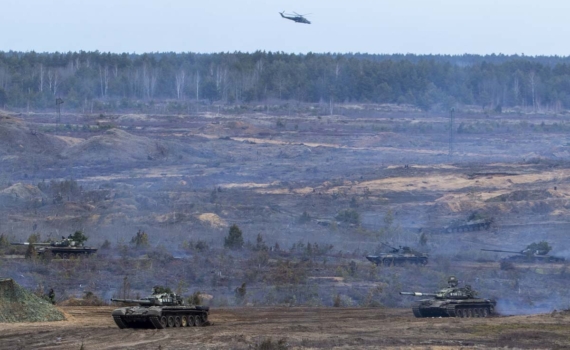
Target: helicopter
<point x="296" y="17"/>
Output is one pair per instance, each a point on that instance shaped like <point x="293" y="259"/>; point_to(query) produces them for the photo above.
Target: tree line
<point x="34" y="80"/>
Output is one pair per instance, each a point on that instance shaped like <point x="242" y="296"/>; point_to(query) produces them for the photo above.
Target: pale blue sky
<point x="373" y="26"/>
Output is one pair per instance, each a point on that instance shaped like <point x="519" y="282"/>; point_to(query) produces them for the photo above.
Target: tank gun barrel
<point x="387" y="245"/>
<point x="28" y="243"/>
<point x="134" y="301"/>
<point x="501" y="251"/>
<point x="418" y="294"/>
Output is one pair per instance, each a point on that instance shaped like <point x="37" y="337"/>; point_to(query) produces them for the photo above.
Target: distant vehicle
<point x="452" y="302"/>
<point x="160" y="310"/>
<point x="398" y="256"/>
<point x="295" y="17"/>
<point x="472" y="225"/>
<point x="64" y="249"/>
<point x="529" y="255"/>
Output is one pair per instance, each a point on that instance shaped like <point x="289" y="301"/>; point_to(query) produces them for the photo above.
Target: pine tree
<point x="234" y="240"/>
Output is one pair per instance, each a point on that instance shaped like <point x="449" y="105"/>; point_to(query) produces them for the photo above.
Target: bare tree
<point x="41" y="87"/>
<point x="197" y="86"/>
<point x="149" y="78"/>
<point x="53" y="80"/>
<point x="4" y="77"/>
<point x="104" y="80"/>
<point x="221" y="79"/>
<point x="532" y="81"/>
<point x="516" y="89"/>
<point x="180" y="77"/>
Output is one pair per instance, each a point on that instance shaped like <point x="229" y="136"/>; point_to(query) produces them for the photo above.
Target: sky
<point x="340" y="26"/>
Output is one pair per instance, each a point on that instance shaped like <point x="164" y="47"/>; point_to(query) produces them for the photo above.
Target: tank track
<point x="416" y="311"/>
<point x="451" y="311"/>
<point x="155" y="322"/>
<point x="119" y="322"/>
<point x="471" y="311"/>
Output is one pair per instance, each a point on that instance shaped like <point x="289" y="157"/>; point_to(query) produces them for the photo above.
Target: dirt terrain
<point x="313" y="194"/>
<point x="302" y="328"/>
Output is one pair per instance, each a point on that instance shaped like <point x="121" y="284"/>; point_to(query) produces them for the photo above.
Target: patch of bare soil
<point x="213" y="220"/>
<point x="21" y="194"/>
<point x="302" y="328"/>
<point x="235" y="128"/>
<point x="18" y="138"/>
<point x="115" y="146"/>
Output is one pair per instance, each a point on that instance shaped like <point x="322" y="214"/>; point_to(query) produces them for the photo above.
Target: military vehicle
<point x="452" y="302"/>
<point x="297" y="18"/>
<point x="529" y="255"/>
<point x="64" y="249"/>
<point x="398" y="256"/>
<point x="160" y="310"/>
<point x="471" y="225"/>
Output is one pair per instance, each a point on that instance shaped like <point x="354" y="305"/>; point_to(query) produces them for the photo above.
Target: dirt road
<point x="303" y="328"/>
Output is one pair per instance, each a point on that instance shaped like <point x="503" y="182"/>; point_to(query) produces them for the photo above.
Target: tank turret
<point x="162" y="299"/>
<point x="398" y="256"/>
<point x="469" y="225"/>
<point x="159" y="310"/>
<point x="452" y="301"/>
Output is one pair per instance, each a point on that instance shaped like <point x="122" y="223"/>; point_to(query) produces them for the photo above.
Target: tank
<point x="159" y="311"/>
<point x="65" y="248"/>
<point x="398" y="256"/>
<point x="471" y="225"/>
<point x="529" y="255"/>
<point x="452" y="302"/>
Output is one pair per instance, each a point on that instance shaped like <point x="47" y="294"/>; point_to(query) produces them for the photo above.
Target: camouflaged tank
<point x="64" y="249"/>
<point x="160" y="310"/>
<point x="452" y="302"/>
<point x="471" y="225"/>
<point x="398" y="256"/>
<point x="529" y="256"/>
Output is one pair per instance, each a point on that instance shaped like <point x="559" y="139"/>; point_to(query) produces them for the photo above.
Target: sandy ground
<point x="303" y="328"/>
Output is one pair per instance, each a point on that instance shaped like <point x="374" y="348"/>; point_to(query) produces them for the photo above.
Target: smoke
<point x="266" y="185"/>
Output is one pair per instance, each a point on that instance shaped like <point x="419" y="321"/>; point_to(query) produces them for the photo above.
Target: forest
<point x="106" y="81"/>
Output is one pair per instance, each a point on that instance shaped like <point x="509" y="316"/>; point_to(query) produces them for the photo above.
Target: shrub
<point x="540" y="248"/>
<point x="140" y="240"/>
<point x="423" y="239"/>
<point x="4" y="242"/>
<point x="234" y="240"/>
<point x="195" y="299"/>
<point x="240" y="293"/>
<point x="268" y="344"/>
<point x="337" y="300"/>
<point x="106" y="245"/>
<point x="79" y="237"/>
<point x="201" y="246"/>
<point x="349" y="216"/>
<point x="507" y="265"/>
<point x="304" y="218"/>
<point x="260" y="243"/>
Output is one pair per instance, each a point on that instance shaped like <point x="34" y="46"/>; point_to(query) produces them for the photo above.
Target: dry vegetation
<point x="312" y="194"/>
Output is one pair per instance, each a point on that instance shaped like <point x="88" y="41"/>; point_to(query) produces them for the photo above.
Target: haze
<point x="409" y="26"/>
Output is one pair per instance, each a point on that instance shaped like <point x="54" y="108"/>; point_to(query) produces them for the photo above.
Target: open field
<point x="302" y="328"/>
<point x="313" y="195"/>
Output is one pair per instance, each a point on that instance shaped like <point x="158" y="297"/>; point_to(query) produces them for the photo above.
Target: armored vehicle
<point x="398" y="256"/>
<point x="529" y="255"/>
<point x="452" y="302"/>
<point x="160" y="310"/>
<point x="64" y="249"/>
<point x="471" y="225"/>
